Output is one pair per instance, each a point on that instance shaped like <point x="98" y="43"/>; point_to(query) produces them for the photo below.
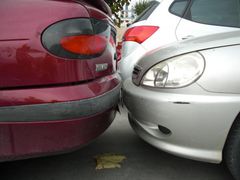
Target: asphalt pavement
<point x="143" y="162"/>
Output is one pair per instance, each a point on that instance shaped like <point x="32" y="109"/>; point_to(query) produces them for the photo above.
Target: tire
<point x="232" y="150"/>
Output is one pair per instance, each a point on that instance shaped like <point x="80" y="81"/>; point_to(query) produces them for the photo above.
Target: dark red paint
<point x="58" y="94"/>
<point x="29" y="74"/>
<point x="24" y="61"/>
<point x="23" y="140"/>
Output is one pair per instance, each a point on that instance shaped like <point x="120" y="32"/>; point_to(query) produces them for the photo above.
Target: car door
<point x="204" y="17"/>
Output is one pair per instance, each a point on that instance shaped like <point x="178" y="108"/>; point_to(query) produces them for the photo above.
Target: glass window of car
<point x="178" y="7"/>
<point x="215" y="12"/>
<point x="147" y="12"/>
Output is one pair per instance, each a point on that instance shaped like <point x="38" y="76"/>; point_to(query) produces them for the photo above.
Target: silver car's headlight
<point x="175" y="72"/>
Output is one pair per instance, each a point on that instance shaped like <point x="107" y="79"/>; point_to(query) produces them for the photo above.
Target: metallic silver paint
<point x="200" y="115"/>
<point x="125" y="66"/>
<point x="221" y="73"/>
<point x="199" y="129"/>
<point x="187" y="46"/>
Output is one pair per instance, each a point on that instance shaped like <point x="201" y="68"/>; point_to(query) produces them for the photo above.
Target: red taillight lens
<point x="84" y="44"/>
<point x="139" y="33"/>
<point x="78" y="38"/>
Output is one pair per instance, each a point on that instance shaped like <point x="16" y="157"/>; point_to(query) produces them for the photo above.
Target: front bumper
<point x="199" y="122"/>
<point x="48" y="128"/>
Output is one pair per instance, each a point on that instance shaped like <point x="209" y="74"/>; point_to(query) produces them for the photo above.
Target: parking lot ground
<point x="143" y="162"/>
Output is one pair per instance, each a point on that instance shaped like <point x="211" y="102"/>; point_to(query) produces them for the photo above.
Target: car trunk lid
<point x="25" y="62"/>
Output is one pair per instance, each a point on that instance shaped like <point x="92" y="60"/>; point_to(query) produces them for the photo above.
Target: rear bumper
<point x="62" y="110"/>
<point x="24" y="140"/>
<point x="65" y="124"/>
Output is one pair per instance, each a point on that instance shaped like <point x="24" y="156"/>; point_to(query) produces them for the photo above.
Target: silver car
<point x="168" y="21"/>
<point x="185" y="99"/>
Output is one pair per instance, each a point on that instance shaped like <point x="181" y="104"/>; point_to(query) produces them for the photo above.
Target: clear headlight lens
<point x="175" y="72"/>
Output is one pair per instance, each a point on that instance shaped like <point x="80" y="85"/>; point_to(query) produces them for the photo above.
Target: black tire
<point x="232" y="150"/>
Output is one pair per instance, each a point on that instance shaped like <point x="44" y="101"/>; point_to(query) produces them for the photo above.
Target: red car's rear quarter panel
<point x="23" y="59"/>
<point x="30" y="76"/>
<point x="26" y="63"/>
<point x="26" y="19"/>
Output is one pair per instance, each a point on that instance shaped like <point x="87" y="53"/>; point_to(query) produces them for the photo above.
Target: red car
<point x="58" y="83"/>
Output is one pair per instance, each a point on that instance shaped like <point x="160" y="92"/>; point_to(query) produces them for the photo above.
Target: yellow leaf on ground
<point x="109" y="161"/>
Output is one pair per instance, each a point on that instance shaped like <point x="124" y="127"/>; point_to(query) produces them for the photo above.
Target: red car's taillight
<point x="84" y="44"/>
<point x="139" y="33"/>
<point x="81" y="38"/>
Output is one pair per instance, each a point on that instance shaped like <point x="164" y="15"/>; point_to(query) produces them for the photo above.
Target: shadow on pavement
<point x="143" y="162"/>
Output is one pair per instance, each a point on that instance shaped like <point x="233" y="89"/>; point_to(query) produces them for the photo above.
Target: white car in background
<point x="167" y="21"/>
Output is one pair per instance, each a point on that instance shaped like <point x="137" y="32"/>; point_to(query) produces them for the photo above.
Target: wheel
<point x="232" y="150"/>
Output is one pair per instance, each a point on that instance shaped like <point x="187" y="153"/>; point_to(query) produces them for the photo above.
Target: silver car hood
<point x="183" y="47"/>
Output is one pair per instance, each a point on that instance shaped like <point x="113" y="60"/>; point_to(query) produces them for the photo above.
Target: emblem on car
<point x="101" y="67"/>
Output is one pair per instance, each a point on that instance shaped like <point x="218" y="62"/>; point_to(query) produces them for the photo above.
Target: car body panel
<point x="25" y="62"/>
<point x="186" y="46"/>
<point x="57" y="119"/>
<point x="167" y="23"/>
<point x="199" y="122"/>
<point x="198" y="116"/>
<point x="51" y="104"/>
<point x="194" y="134"/>
<point x="22" y="140"/>
<point x="204" y="17"/>
<point x="61" y="110"/>
<point x="58" y="94"/>
<point x="172" y="28"/>
<point x="130" y="61"/>
<point x="164" y="35"/>
<point x="166" y="32"/>
<point x="187" y="29"/>
<point x="18" y="25"/>
<point x="224" y="75"/>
